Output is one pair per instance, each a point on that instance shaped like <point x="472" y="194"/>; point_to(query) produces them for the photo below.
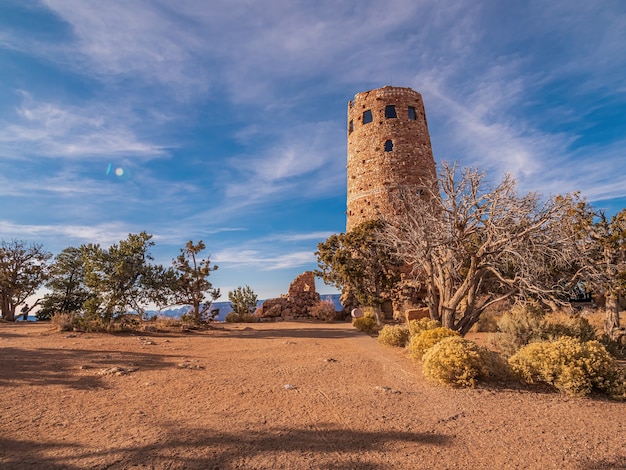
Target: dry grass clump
<point x="234" y="317"/>
<point x="454" y="361"/>
<point x="528" y="323"/>
<point x="63" y="321"/>
<point x="397" y="335"/>
<point x="487" y="322"/>
<point x="324" y="311"/>
<point x="571" y="366"/>
<point x="422" y="342"/>
<point x="423" y="324"/>
<point x="365" y="324"/>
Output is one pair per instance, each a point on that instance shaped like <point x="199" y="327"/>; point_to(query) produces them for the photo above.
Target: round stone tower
<point x="388" y="149"/>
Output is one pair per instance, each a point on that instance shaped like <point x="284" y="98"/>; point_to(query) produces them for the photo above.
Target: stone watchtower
<point x="388" y="149"/>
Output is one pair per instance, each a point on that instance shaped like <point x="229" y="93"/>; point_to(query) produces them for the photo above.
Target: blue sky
<point x="225" y="120"/>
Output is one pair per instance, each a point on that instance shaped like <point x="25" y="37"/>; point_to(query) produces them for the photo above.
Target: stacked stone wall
<point x="297" y="304"/>
<point x="376" y="172"/>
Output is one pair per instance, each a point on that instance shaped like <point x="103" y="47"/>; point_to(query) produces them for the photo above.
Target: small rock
<point x="289" y="387"/>
<point x="188" y="365"/>
<point x="117" y="370"/>
<point x="330" y="359"/>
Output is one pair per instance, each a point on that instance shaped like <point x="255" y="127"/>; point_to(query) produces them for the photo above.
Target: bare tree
<point x="471" y="246"/>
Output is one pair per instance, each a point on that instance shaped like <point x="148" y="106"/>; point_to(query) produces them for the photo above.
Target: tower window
<point x="350" y="127"/>
<point x="389" y="146"/>
<point x="390" y="111"/>
<point x="367" y="116"/>
<point x="412" y="115"/>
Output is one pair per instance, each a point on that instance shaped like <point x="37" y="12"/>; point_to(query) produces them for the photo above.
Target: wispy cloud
<point x="263" y="261"/>
<point x="104" y="234"/>
<point x="52" y="130"/>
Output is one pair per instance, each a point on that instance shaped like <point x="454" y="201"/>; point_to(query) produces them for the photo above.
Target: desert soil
<point x="274" y="395"/>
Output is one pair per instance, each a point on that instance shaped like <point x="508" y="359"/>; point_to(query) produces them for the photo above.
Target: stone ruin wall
<point x="296" y="304"/>
<point x="374" y="172"/>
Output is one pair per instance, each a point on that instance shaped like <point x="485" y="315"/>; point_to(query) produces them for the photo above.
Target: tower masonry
<point x="388" y="149"/>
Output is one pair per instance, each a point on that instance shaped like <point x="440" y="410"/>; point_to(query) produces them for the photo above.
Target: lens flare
<point x="118" y="172"/>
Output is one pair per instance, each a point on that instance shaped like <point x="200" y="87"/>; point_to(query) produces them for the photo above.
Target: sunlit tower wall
<point x="388" y="149"/>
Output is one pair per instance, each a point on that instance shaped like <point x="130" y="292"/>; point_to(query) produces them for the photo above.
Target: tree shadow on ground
<point x="322" y="448"/>
<point x="294" y="332"/>
<point x="44" y="367"/>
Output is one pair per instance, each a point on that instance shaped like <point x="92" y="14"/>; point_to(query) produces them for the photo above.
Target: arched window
<point x="389" y="146"/>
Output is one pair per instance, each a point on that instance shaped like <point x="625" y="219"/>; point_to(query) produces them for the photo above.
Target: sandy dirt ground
<point x="273" y="396"/>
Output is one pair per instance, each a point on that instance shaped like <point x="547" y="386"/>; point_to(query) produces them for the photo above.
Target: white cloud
<point x="245" y="258"/>
<point x="52" y="130"/>
<point x="104" y="234"/>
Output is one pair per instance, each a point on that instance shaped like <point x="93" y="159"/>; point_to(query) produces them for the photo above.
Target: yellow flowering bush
<point x="394" y="335"/>
<point x="454" y="361"/>
<point x="569" y="365"/>
<point x="365" y="324"/>
<point x="423" y="324"/>
<point x="422" y="342"/>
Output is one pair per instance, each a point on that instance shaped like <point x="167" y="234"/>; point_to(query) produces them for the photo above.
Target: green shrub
<point x="574" y="326"/>
<point x="365" y="324"/>
<point x="232" y="317"/>
<point x="570" y="366"/>
<point x="423" y="324"/>
<point x="394" y="335"/>
<point x="527" y="323"/>
<point x="523" y="324"/>
<point x="325" y="311"/>
<point x="454" y="361"/>
<point x="421" y="343"/>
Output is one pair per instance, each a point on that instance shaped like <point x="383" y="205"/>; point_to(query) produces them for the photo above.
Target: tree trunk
<point x="612" y="325"/>
<point x="8" y="310"/>
<point x="447" y="317"/>
<point x="378" y="315"/>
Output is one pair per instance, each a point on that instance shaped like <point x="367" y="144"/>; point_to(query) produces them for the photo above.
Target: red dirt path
<point x="274" y="395"/>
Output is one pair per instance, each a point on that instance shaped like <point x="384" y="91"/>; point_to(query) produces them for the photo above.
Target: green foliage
<point x="119" y="279"/>
<point x="423" y="324"/>
<point x="422" y="342"/>
<point x="357" y="262"/>
<point x="397" y="335"/>
<point x="324" y="311"/>
<point x="243" y="300"/>
<point x="23" y="269"/>
<point x="68" y="292"/>
<point x="570" y="366"/>
<point x="189" y="283"/>
<point x="365" y="324"/>
<point x="454" y="361"/>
